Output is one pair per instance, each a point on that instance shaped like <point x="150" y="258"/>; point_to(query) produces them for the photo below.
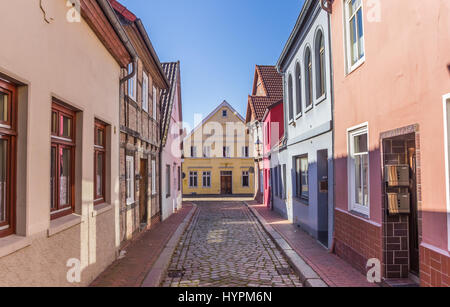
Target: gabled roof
<point x="223" y="104"/>
<point x="272" y="83"/>
<point x="134" y="26"/>
<point x="172" y="71"/>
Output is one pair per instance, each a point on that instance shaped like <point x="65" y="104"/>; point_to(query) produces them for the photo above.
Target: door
<point x="226" y="180"/>
<point x="143" y="191"/>
<point x="322" y="205"/>
<point x="413" y="217"/>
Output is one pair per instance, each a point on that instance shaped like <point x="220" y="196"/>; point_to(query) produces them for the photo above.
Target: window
<point x="193" y="152"/>
<point x="154" y="177"/>
<point x="154" y="98"/>
<point x="308" y="78"/>
<point x="284" y="181"/>
<point x="280" y="182"/>
<point x="298" y="89"/>
<point x="131" y="83"/>
<point x="99" y="162"/>
<point x="206" y="179"/>
<point x="245" y="152"/>
<point x="291" y="98"/>
<point x="275" y="180"/>
<point x="207" y="151"/>
<point x="224" y="113"/>
<point x="320" y="65"/>
<point x="179" y="178"/>
<point x="226" y="152"/>
<point x="359" y="170"/>
<point x="301" y="167"/>
<point x="193" y="180"/>
<point x="130" y="179"/>
<point x="168" y="181"/>
<point x="145" y="92"/>
<point x="245" y="179"/>
<point x="354" y="33"/>
<point x="62" y="161"/>
<point x="8" y="136"/>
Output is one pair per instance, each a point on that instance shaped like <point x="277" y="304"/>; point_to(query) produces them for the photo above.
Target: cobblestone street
<point x="225" y="246"/>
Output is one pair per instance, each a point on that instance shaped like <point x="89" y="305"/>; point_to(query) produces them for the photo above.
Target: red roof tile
<point x="122" y="10"/>
<point x="273" y="85"/>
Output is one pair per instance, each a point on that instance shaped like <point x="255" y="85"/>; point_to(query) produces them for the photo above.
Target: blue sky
<point x="218" y="44"/>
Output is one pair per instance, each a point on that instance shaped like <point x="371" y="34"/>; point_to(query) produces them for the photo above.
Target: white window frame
<point x="154" y="98"/>
<point x="130" y="179"/>
<point x="227" y="152"/>
<point x="446" y="106"/>
<point x="153" y="177"/>
<point x="132" y="83"/>
<point x="206" y="175"/>
<point x="348" y="52"/>
<point x="193" y="174"/>
<point x="245" y="173"/>
<point x="352" y="205"/>
<point x="245" y="152"/>
<point x="145" y="92"/>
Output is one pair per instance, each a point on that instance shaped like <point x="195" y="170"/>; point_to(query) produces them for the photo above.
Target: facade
<point x="391" y="137"/>
<point x="306" y="67"/>
<point x="217" y="159"/>
<point x="273" y="128"/>
<point x="140" y="139"/>
<point x="59" y="141"/>
<point x="267" y="90"/>
<point x="172" y="141"/>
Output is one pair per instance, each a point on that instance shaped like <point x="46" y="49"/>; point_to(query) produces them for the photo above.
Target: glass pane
<point x="360" y="35"/>
<point x="304" y="169"/>
<point x="100" y="137"/>
<point x="53" y="179"/>
<point x="354" y="6"/>
<point x="353" y="41"/>
<point x="3" y="107"/>
<point x="360" y="143"/>
<point x="3" y="179"/>
<point x="365" y="176"/>
<point x="65" y="128"/>
<point x="64" y="178"/>
<point x="99" y="175"/>
<point x="358" y="183"/>
<point x="54" y="123"/>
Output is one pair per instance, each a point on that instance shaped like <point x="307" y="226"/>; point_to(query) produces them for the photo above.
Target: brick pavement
<point x="332" y="269"/>
<point x="225" y="246"/>
<point x="141" y="254"/>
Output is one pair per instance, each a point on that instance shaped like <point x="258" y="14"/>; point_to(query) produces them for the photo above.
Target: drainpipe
<point x="333" y="243"/>
<point x="327" y="5"/>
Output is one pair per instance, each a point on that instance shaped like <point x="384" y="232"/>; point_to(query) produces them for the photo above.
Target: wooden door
<point x="143" y="191"/>
<point x="226" y="183"/>
<point x="413" y="217"/>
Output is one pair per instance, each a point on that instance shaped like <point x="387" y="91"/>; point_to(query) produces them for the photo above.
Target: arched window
<point x="308" y="78"/>
<point x="291" y="94"/>
<point x="320" y="65"/>
<point x="298" y="88"/>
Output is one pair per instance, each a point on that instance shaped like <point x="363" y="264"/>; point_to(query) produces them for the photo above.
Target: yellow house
<point x="218" y="159"/>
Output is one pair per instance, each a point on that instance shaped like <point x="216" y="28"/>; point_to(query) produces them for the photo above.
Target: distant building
<point x="267" y="90"/>
<point x="171" y="141"/>
<point x="217" y="155"/>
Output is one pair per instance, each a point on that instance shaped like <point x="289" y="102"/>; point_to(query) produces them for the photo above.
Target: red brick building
<point x="140" y="140"/>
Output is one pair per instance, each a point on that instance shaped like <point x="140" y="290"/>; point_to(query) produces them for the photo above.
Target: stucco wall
<point x="66" y="61"/>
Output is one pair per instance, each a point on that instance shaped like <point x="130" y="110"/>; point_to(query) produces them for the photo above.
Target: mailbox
<point x="399" y="203"/>
<point x="397" y="175"/>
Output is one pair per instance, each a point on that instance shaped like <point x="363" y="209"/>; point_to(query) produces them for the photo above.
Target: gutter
<point x="149" y="44"/>
<point x="115" y="22"/>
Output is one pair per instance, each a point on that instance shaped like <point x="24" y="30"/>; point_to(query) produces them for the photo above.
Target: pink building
<point x="273" y="130"/>
<point x="391" y="72"/>
<point x="171" y="141"/>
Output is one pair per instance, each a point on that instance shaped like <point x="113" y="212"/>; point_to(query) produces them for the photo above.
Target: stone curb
<point x="155" y="275"/>
<point x="307" y="275"/>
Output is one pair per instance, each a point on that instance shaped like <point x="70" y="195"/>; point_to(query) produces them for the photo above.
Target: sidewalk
<point x="332" y="270"/>
<point x="141" y="254"/>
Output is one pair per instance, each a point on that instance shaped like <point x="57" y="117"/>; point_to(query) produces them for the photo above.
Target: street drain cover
<point x="175" y="273"/>
<point x="284" y="271"/>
